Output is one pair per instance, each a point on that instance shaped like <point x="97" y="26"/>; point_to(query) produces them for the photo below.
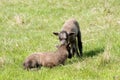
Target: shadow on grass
<point x="86" y="54"/>
<point x="94" y="52"/>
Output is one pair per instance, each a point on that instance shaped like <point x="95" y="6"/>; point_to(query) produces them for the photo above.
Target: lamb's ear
<point x="72" y="33"/>
<point x="55" y="33"/>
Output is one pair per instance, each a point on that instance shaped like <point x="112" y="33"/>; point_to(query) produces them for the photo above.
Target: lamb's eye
<point x="60" y="39"/>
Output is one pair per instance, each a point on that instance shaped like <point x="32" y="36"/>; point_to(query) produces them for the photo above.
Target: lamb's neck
<point x="61" y="51"/>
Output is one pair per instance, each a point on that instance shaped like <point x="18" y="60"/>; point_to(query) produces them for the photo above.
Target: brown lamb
<point x="70" y="31"/>
<point x="47" y="59"/>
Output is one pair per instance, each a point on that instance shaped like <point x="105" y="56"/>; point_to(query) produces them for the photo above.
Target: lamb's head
<point x="63" y="36"/>
<point x="27" y="65"/>
<point x="64" y="48"/>
<point x="67" y="47"/>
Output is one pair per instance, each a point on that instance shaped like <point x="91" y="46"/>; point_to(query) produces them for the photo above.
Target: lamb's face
<point x="26" y="65"/>
<point x="64" y="36"/>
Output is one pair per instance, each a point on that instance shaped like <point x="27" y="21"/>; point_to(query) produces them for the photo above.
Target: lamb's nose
<point x="63" y="41"/>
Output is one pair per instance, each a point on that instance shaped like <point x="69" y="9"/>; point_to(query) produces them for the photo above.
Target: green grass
<point x="26" y="26"/>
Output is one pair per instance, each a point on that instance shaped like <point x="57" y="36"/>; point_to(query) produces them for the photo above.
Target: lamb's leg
<point x="69" y="52"/>
<point x="72" y="50"/>
<point x="75" y="48"/>
<point x="79" y="43"/>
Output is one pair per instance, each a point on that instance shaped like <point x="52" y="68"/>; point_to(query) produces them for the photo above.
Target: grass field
<point x="26" y="26"/>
